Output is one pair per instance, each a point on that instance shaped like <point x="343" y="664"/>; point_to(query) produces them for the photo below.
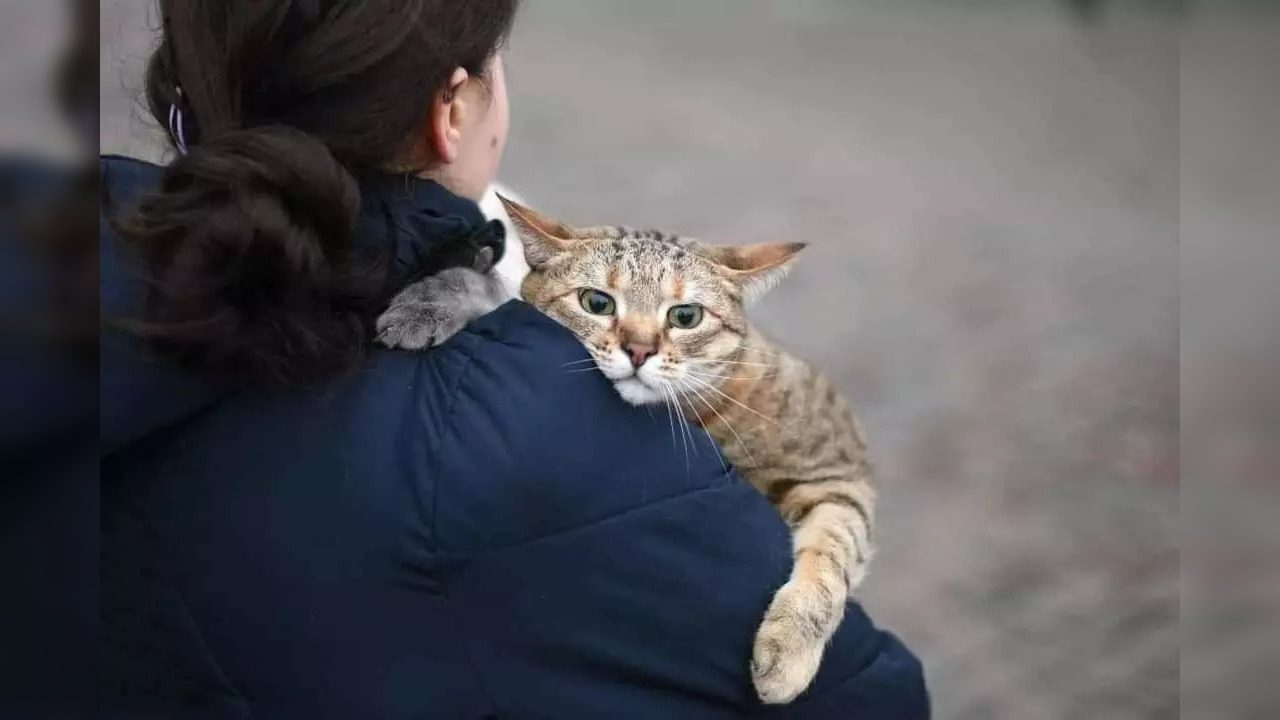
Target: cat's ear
<point x="755" y="269"/>
<point x="542" y="237"/>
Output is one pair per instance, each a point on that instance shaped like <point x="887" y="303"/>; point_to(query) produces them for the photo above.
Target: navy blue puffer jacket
<point x="469" y="532"/>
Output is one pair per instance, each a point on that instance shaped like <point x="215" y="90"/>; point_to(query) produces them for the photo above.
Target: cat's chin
<point x="636" y="392"/>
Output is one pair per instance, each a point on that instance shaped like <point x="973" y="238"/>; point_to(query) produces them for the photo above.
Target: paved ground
<point x="992" y="196"/>
<point x="1230" y="343"/>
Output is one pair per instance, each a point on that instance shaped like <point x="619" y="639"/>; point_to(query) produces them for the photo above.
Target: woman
<point x="298" y="525"/>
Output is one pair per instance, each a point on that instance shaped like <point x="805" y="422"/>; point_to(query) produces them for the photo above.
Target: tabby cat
<point x="663" y="319"/>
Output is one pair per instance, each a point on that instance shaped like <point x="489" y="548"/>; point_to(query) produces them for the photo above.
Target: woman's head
<point x="279" y="104"/>
<point x="406" y="85"/>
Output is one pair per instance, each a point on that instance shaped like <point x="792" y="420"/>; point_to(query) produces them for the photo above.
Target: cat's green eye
<point x="684" y="317"/>
<point x="596" y="302"/>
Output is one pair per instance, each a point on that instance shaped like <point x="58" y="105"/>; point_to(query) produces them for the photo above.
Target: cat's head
<point x="662" y="316"/>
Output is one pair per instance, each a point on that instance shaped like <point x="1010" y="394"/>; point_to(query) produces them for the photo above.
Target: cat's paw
<point x="789" y="644"/>
<point x="429" y="312"/>
<point x="417" y="326"/>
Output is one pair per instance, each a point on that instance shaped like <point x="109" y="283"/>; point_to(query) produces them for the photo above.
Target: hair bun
<point x="244" y="242"/>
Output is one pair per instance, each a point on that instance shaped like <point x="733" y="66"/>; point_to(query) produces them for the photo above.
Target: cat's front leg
<point x="801" y="619"/>
<point x="831" y="522"/>
<point x="434" y="309"/>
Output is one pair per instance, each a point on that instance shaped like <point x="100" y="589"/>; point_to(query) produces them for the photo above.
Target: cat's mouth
<point x="637" y="386"/>
<point x="635" y="391"/>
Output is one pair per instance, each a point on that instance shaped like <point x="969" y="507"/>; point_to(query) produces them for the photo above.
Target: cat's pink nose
<point x="639" y="352"/>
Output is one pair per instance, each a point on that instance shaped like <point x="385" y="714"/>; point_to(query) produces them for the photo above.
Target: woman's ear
<point x="755" y="269"/>
<point x="448" y="111"/>
<point x="542" y="237"/>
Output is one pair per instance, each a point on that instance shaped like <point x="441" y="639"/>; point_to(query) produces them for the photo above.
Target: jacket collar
<point x="420" y="218"/>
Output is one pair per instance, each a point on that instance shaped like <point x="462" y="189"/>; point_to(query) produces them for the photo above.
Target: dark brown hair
<point x="248" y="242"/>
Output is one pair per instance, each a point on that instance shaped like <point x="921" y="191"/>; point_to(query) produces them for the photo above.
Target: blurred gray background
<point x="994" y="193"/>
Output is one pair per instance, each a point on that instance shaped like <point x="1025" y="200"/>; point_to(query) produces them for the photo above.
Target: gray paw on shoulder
<point x="412" y="326"/>
<point x="430" y="311"/>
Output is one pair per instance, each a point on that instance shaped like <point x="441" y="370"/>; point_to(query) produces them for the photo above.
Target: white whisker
<point x="715" y="376"/>
<point x="749" y="363"/>
<point x="685" y="434"/>
<point x="668" y="390"/>
<point x="726" y="424"/>
<point x="695" y="373"/>
<point x="670" y="420"/>
<point x="733" y="400"/>
<point x="684" y="420"/>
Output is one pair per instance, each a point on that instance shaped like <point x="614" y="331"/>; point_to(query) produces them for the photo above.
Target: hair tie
<point x="175" y="125"/>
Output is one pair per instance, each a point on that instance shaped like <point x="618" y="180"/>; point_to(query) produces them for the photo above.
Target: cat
<point x="663" y="318"/>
